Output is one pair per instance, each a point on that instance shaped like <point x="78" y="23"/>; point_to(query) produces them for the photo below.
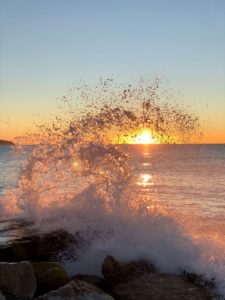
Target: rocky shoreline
<point x="28" y="271"/>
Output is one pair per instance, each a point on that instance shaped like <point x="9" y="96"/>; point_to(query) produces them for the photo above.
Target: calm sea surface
<point x="184" y="177"/>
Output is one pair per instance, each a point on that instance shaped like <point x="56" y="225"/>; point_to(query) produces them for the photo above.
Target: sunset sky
<point x="47" y="46"/>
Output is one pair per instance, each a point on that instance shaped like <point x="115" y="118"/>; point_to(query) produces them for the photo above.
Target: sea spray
<point x="78" y="179"/>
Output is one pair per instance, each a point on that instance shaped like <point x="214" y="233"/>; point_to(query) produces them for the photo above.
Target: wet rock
<point x="159" y="286"/>
<point x="93" y="280"/>
<point x="76" y="289"/>
<point x="115" y="273"/>
<point x="17" y="279"/>
<point x="2" y="297"/>
<point x="44" y="247"/>
<point x="18" y="251"/>
<point x="49" y="276"/>
<point x="112" y="270"/>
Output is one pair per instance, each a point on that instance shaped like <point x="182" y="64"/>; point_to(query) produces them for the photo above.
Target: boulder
<point x="76" y="289"/>
<point x="159" y="286"/>
<point x="2" y="297"/>
<point x="115" y="273"/>
<point x="17" y="279"/>
<point x="49" y="276"/>
<point x="45" y="247"/>
<point x="17" y="251"/>
<point x="93" y="280"/>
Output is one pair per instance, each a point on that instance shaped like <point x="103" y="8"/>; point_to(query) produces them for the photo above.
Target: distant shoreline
<point x="4" y="142"/>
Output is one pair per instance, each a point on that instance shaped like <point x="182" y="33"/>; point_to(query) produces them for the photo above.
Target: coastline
<point x="5" y="142"/>
<point x="47" y="279"/>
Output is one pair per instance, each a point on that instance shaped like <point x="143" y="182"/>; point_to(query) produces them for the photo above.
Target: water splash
<point x="112" y="113"/>
<point x="79" y="179"/>
<point x="78" y="148"/>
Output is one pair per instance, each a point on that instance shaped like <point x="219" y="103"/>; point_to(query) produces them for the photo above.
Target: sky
<point x="47" y="46"/>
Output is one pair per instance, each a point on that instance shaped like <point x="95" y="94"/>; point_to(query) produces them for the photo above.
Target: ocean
<point x="171" y="209"/>
<point x="182" y="177"/>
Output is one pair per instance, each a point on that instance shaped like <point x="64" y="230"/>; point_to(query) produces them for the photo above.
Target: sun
<point x="144" y="138"/>
<point x="139" y="137"/>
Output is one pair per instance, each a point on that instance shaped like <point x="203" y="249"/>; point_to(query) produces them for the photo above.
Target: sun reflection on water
<point x="145" y="180"/>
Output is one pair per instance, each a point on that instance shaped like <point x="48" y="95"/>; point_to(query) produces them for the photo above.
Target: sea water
<point x="170" y="211"/>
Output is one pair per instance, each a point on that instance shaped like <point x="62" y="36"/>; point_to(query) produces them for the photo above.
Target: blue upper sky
<point x="48" y="45"/>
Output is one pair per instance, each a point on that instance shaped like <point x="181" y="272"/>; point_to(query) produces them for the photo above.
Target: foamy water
<point x="170" y="210"/>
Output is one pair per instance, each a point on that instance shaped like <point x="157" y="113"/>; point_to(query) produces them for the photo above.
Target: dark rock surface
<point x="49" y="276"/>
<point x="76" y="289"/>
<point x="17" y="279"/>
<point x="140" y="280"/>
<point x="115" y="273"/>
<point x="2" y="297"/>
<point x="45" y="247"/>
<point x="159" y="287"/>
<point x="93" y="280"/>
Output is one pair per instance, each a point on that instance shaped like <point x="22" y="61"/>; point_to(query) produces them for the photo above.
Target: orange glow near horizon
<point x="14" y="130"/>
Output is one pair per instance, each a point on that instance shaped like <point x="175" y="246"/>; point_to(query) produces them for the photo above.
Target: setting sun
<point x="144" y="138"/>
<point x="141" y="137"/>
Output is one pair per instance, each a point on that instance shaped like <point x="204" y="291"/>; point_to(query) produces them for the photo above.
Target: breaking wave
<point x="79" y="179"/>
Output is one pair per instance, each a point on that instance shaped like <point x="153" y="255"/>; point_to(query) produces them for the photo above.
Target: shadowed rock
<point x="2" y="297"/>
<point x="115" y="273"/>
<point x="49" y="276"/>
<point x="76" y="290"/>
<point x="159" y="287"/>
<point x="93" y="280"/>
<point x="17" y="279"/>
<point x="45" y="247"/>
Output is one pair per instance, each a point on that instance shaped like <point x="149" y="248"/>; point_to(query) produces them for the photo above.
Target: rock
<point x="115" y="273"/>
<point x="18" y="251"/>
<point x="45" y="247"/>
<point x="112" y="270"/>
<point x="159" y="286"/>
<point x="2" y="297"/>
<point x="17" y="279"/>
<point x="76" y="289"/>
<point x="49" y="276"/>
<point x="93" y="280"/>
